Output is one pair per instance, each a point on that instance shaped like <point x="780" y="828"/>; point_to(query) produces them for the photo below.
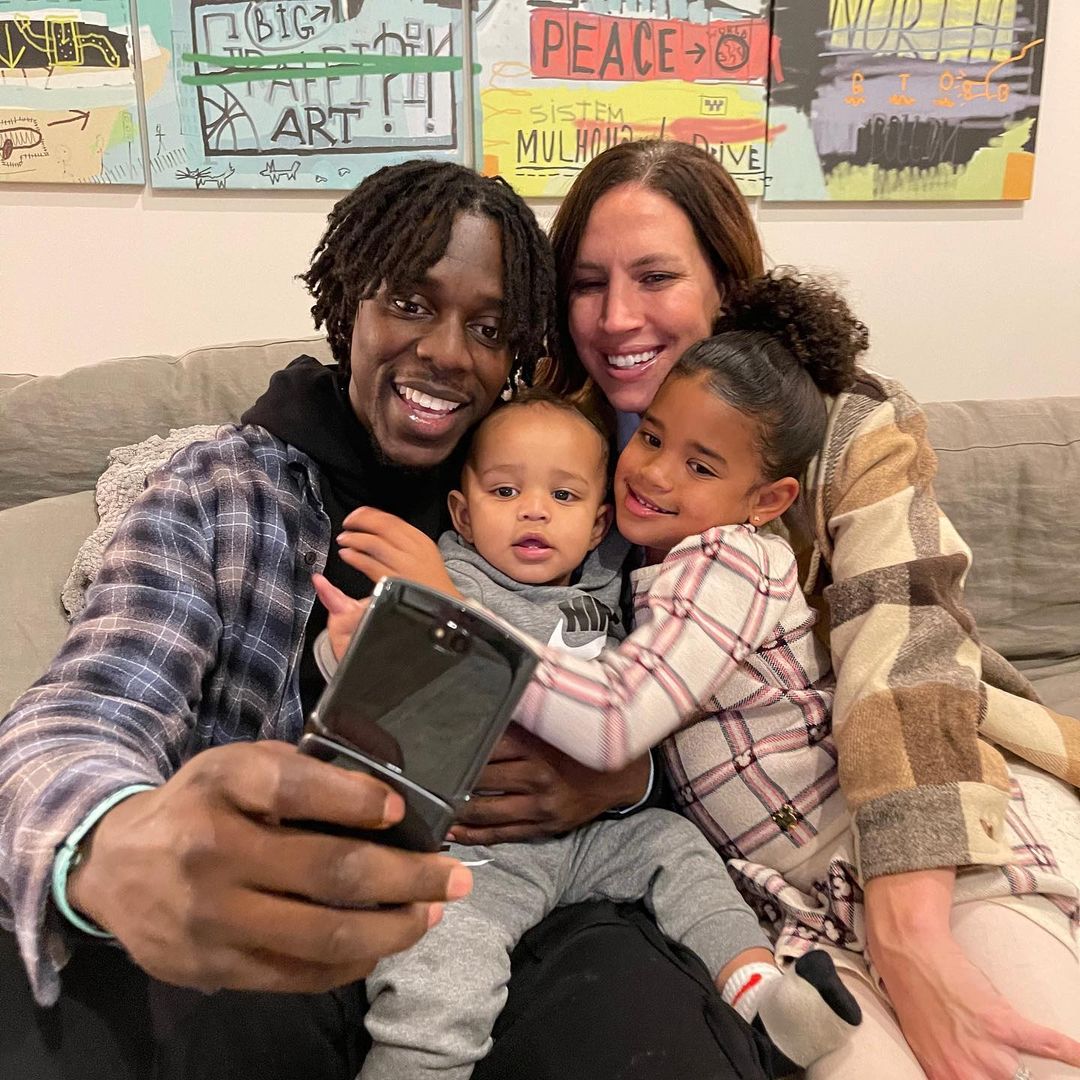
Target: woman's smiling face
<point x="642" y="292"/>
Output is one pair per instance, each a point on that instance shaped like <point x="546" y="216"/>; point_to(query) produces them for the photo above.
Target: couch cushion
<point x="38" y="543"/>
<point x="56" y="431"/>
<point x="1010" y="481"/>
<point x="1058" y="683"/>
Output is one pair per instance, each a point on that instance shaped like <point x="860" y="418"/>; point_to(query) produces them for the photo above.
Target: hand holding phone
<point x="427" y="686"/>
<point x="202" y="886"/>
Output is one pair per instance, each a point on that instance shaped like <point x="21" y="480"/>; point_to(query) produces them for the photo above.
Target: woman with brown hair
<point x="648" y="242"/>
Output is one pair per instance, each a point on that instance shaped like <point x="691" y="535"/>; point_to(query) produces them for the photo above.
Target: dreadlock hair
<point x="395" y="225"/>
<point x="784" y="340"/>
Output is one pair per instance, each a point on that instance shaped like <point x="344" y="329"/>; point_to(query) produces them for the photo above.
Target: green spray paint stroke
<point x="323" y="65"/>
<point x="123" y="130"/>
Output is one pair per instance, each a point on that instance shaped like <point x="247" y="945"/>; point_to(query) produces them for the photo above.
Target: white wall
<point x="962" y="300"/>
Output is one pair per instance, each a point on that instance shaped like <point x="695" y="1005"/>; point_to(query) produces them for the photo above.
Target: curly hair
<point x="395" y="225"/>
<point x="784" y="340"/>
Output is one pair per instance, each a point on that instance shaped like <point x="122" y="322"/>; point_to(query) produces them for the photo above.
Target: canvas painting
<point x="560" y="82"/>
<point x="301" y="94"/>
<point x="69" y="109"/>
<point x="906" y="99"/>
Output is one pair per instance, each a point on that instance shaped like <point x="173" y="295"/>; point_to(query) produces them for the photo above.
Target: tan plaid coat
<point x="920" y="704"/>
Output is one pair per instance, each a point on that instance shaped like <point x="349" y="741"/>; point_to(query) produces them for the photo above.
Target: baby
<point x="532" y="505"/>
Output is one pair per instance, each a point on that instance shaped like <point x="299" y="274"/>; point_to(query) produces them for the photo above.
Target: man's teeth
<point x="426" y="401"/>
<point x="629" y="360"/>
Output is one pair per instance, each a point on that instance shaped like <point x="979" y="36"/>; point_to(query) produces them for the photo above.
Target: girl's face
<point x="642" y="292"/>
<point x="690" y="466"/>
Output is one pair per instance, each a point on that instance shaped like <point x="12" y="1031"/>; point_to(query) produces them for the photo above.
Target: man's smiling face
<point x="429" y="360"/>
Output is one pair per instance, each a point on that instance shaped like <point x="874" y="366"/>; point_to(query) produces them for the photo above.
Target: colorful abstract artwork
<point x="562" y="81"/>
<point x="68" y="97"/>
<point x="906" y="99"/>
<point x="800" y="100"/>
<point x="301" y="94"/>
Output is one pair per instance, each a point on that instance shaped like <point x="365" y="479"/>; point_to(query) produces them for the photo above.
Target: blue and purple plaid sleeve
<point x="187" y="640"/>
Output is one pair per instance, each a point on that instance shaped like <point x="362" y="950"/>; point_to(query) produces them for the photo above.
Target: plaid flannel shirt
<point x="190" y="639"/>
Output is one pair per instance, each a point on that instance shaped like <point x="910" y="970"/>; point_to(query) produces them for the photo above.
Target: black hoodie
<point x="307" y="406"/>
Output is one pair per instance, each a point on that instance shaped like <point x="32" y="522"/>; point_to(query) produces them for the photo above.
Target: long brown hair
<point x="696" y="182"/>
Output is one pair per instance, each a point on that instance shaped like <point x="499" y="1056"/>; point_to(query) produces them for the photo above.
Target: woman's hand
<point x="956" y="1023"/>
<point x="529" y="789"/>
<point x="379" y="545"/>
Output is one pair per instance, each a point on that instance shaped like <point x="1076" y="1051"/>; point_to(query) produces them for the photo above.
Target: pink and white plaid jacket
<point x="723" y="655"/>
<point x="724" y="665"/>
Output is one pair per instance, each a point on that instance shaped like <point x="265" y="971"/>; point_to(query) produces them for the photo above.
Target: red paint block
<point x="613" y="48"/>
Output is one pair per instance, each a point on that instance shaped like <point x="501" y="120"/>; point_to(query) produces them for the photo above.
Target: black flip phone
<point x="426" y="687"/>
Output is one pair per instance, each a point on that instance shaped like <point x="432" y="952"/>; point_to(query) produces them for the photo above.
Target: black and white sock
<point x="806" y="1011"/>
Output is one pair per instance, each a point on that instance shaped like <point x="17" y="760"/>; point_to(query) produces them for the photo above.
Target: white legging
<point x="1033" y="969"/>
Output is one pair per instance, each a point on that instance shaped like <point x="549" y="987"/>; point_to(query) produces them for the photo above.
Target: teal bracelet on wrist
<point x="69" y="855"/>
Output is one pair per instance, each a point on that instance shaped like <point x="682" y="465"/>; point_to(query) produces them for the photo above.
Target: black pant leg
<point x="113" y="1022"/>
<point x="599" y="993"/>
<point x="99" y="1028"/>
<point x="245" y="1035"/>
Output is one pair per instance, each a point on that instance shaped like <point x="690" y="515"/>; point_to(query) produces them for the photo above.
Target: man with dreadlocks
<point x="144" y="778"/>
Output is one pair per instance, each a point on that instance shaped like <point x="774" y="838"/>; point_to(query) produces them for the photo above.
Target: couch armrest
<point x="38" y="544"/>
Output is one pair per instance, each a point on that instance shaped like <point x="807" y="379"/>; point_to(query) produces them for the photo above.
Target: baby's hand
<point x="381" y="545"/>
<point x="343" y="613"/>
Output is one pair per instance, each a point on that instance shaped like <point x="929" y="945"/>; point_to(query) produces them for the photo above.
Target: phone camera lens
<point x="459" y="643"/>
<point x="438" y="634"/>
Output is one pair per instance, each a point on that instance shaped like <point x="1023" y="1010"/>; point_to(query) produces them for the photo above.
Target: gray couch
<point x="1009" y="479"/>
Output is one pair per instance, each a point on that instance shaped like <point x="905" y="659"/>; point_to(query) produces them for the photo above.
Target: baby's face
<point x="532" y="500"/>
